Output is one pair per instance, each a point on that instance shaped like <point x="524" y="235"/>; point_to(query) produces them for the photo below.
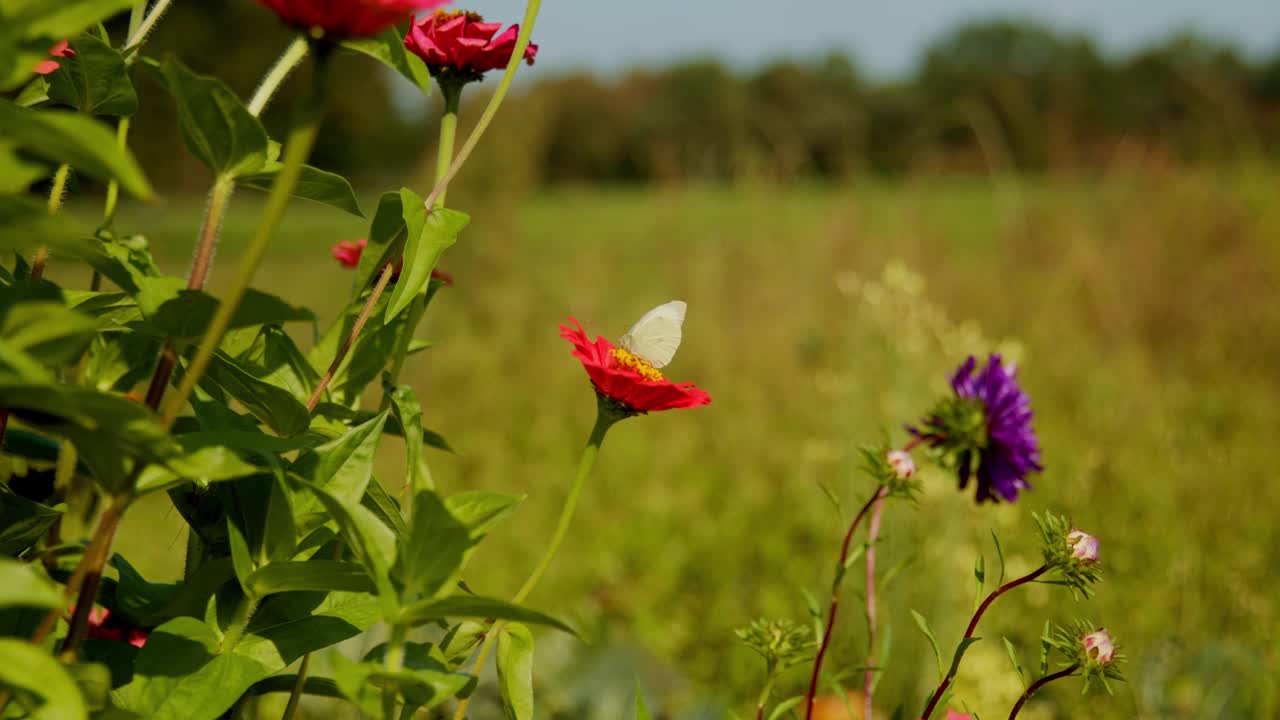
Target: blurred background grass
<point x="843" y="242"/>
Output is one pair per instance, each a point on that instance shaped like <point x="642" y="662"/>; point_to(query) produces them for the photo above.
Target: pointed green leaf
<point x="31" y="668"/>
<point x="476" y="607"/>
<point x="313" y="184"/>
<point x="384" y="507"/>
<point x="980" y="577"/>
<point x="49" y="332"/>
<point x="22" y="521"/>
<point x="785" y="706"/>
<point x="408" y="413"/>
<point x="960" y="651"/>
<point x="428" y="235"/>
<point x="1046" y="644"/>
<point x="386" y="240"/>
<point x="95" y="80"/>
<point x="373" y="543"/>
<point x="642" y="710"/>
<point x="388" y="48"/>
<point x="435" y="548"/>
<point x="68" y="137"/>
<point x="1000" y="554"/>
<point x="276" y="407"/>
<point x="65" y="18"/>
<point x="342" y="467"/>
<point x="314" y="574"/>
<point x="1013" y="660"/>
<point x="181" y="314"/>
<point x="923" y="624"/>
<point x="22" y="586"/>
<point x="515" y="671"/>
<point x="216" y="126"/>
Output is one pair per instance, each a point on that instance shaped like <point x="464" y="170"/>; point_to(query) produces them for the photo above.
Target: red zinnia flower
<point x="105" y="626"/>
<point x="348" y="253"/>
<point x="463" y="44"/>
<point x="347" y="18"/>
<point x="62" y="49"/>
<point x="628" y="380"/>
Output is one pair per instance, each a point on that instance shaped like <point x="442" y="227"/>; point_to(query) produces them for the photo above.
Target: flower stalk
<point x="868" y="675"/>
<point x="1066" y="672"/>
<point x="605" y="419"/>
<point x="973" y="626"/>
<point x="812" y="693"/>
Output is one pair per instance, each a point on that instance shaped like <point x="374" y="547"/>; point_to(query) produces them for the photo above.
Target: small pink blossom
<point x="901" y="462"/>
<point x="1084" y="547"/>
<point x="1099" y="647"/>
<point x="348" y="253"/>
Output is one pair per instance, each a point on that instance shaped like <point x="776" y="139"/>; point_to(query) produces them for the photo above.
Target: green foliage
<point x="40" y="681"/>
<point x="216" y="126"/>
<point x="66" y="137"/>
<point x="515" y="671"/>
<point x="95" y="80"/>
<point x="427" y="235"/>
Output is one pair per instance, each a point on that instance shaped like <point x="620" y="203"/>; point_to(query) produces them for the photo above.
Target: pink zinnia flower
<point x="348" y="253"/>
<point x="61" y="49"/>
<point x="463" y="44"/>
<point x="347" y="18"/>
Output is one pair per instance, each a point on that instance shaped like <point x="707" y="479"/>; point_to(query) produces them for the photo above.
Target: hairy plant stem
<point x="812" y="692"/>
<point x="56" y="192"/>
<point x="1039" y="684"/>
<point x="215" y="210"/>
<point x="383" y="278"/>
<point x="296" y="149"/>
<point x="973" y="626"/>
<point x="868" y="675"/>
<point x="586" y="463"/>
<point x="138" y="34"/>
<point x="239" y="623"/>
<point x="394" y="663"/>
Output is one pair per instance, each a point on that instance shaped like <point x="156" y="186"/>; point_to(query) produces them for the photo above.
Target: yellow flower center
<point x="627" y="360"/>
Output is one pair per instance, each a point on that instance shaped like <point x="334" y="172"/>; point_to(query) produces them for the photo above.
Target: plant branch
<point x="868" y="675"/>
<point x="811" y="694"/>
<point x="137" y="35"/>
<point x="86" y="578"/>
<point x="1039" y="684"/>
<point x="973" y="626"/>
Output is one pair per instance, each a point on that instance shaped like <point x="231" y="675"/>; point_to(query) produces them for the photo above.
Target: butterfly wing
<point x="656" y="336"/>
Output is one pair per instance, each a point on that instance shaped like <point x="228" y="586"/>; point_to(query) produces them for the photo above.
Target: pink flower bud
<point x="1084" y="547"/>
<point x="901" y="462"/>
<point x="1098" y="646"/>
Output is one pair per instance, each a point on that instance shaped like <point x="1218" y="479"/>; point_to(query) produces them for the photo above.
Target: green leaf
<point x="408" y="413"/>
<point x="1013" y="660"/>
<point x="65" y="18"/>
<point x="428" y="235"/>
<point x="33" y="670"/>
<point x="476" y="607"/>
<point x="33" y="93"/>
<point x="435" y="548"/>
<point x="184" y="315"/>
<point x="386" y="241"/>
<point x="785" y="706"/>
<point x="22" y="521"/>
<point x="342" y="468"/>
<point x="1000" y="554"/>
<point x="980" y="577"/>
<point x="68" y="137"/>
<point x="373" y="543"/>
<point x="203" y="459"/>
<point x="388" y="48"/>
<point x="95" y="80"/>
<point x="275" y="406"/>
<point x="315" y="574"/>
<point x="48" y="331"/>
<point x="642" y="710"/>
<point x="960" y="651"/>
<point x="216" y="126"/>
<point x="1046" y="644"/>
<point x="16" y="174"/>
<point x="515" y="671"/>
<point x="22" y="586"/>
<point x="367" y="358"/>
<point x="313" y="184"/>
<point x="384" y="507"/>
<point x="923" y="624"/>
<point x="26" y="224"/>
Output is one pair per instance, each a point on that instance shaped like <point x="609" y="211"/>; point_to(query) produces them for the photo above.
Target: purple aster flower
<point x="987" y="424"/>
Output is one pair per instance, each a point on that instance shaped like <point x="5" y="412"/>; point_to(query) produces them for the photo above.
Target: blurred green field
<point x="1141" y="306"/>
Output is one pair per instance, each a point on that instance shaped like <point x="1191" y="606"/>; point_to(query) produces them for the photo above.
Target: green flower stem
<point x="444" y="158"/>
<point x="869" y="675"/>
<point x="394" y="662"/>
<point x="604" y="421"/>
<point x="275" y="77"/>
<point x="812" y="694"/>
<point x="517" y="56"/>
<point x="295" y="695"/>
<point x="763" y="700"/>
<point x="55" y="203"/>
<point x="297" y="148"/>
<point x="138" y="35"/>
<point x="973" y="626"/>
<point x="239" y="623"/>
<point x="1039" y="684"/>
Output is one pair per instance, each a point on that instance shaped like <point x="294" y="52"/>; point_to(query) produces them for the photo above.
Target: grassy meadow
<point x="1141" y="306"/>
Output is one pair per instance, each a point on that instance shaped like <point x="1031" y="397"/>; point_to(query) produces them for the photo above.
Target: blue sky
<point x="884" y="36"/>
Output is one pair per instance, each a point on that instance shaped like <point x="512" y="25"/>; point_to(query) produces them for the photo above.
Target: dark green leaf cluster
<point x="1078" y="575"/>
<point x="956" y="434"/>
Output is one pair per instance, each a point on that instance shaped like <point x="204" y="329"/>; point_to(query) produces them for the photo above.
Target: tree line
<point x="989" y="96"/>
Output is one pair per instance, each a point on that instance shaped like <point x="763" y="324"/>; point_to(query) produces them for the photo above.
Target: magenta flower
<point x="347" y="18"/>
<point x="462" y="44"/>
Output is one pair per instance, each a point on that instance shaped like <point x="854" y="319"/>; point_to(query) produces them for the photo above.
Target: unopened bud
<point x="901" y="462"/>
<point x="1099" y="647"/>
<point x="1084" y="547"/>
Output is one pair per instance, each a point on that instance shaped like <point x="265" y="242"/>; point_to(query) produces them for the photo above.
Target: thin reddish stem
<point x="367" y="310"/>
<point x="85" y="578"/>
<point x="973" y="625"/>
<point x="812" y="693"/>
<point x="1039" y="684"/>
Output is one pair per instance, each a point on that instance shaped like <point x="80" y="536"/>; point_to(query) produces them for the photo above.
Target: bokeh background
<point x="851" y="197"/>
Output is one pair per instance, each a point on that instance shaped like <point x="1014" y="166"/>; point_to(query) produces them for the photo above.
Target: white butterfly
<point x="656" y="336"/>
